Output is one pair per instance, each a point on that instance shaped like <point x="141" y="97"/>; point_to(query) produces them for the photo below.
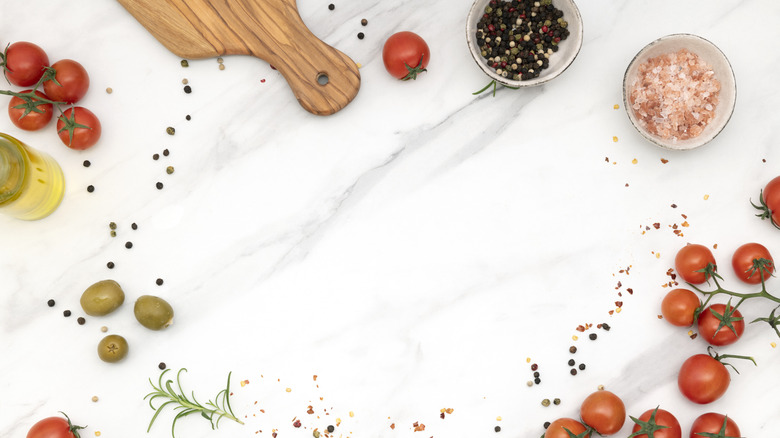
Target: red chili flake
<point x="580" y="328"/>
<point x="619" y="285"/>
<point x="418" y="427"/>
<point x="262" y="81"/>
<point x="664" y="160"/>
<point x="611" y="312"/>
<point x="674" y="205"/>
<point x="630" y="291"/>
<point x="657" y="225"/>
<point x="619" y="303"/>
<point x="392" y="426"/>
<point x="273" y="434"/>
<point x="297" y="423"/>
<point x="441" y="415"/>
<point x="606" y="159"/>
<point x="310" y="410"/>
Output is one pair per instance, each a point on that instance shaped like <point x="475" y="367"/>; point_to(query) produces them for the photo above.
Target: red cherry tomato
<point x="679" y="306"/>
<point x="650" y="422"/>
<point x="405" y="55"/>
<point x="709" y="323"/>
<point x="717" y="424"/>
<point x="73" y="82"/>
<point x="33" y="120"/>
<point x="770" y="202"/>
<point x="703" y="379"/>
<point x="743" y="263"/>
<point x="24" y="63"/>
<point x="54" y="427"/>
<point x="604" y="412"/>
<point x="558" y="428"/>
<point x="690" y="259"/>
<point x="78" y="128"/>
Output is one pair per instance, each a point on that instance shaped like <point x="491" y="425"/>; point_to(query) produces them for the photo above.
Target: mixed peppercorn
<point x="518" y="37"/>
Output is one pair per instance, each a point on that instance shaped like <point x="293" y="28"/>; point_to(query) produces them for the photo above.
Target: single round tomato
<point x="709" y="323"/>
<point x="656" y="423"/>
<point x="79" y="128"/>
<point x="604" y="412"/>
<point x="54" y="427"/>
<point x="770" y="202"/>
<point x="33" y="120"/>
<point x="558" y="428"/>
<point x="678" y="307"/>
<point x="745" y="259"/>
<point x="405" y="55"/>
<point x="24" y="63"/>
<point x="73" y="82"/>
<point x="713" y="423"/>
<point x="690" y="259"/>
<point x="703" y="379"/>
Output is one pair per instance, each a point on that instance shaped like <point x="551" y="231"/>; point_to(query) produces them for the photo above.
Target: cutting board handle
<point x="323" y="79"/>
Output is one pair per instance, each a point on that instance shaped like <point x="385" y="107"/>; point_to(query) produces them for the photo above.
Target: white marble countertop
<point x="413" y="251"/>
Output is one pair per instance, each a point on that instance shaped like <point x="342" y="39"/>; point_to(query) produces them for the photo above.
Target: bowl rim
<point x="509" y="82"/>
<point x="658" y="141"/>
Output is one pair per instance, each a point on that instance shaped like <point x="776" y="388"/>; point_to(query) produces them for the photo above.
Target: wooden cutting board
<point x="323" y="79"/>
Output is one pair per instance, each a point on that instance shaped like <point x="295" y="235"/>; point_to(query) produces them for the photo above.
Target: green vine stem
<point x="494" y="84"/>
<point x="761" y="267"/>
<point x="214" y="411"/>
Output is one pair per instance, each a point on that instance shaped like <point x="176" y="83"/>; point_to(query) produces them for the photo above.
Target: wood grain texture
<point x="271" y="30"/>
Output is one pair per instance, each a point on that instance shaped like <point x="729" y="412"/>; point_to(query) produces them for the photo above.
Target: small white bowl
<point x="708" y="53"/>
<point x="559" y="61"/>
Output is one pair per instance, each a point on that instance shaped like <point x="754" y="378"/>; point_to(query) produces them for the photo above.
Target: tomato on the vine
<point x="656" y="423"/>
<point x="679" y="306"/>
<point x="54" y="427"/>
<point x="716" y="323"/>
<point x="405" y="55"/>
<point x="559" y="427"/>
<point x="769" y="202"/>
<point x="690" y="260"/>
<point x="23" y="63"/>
<point x="713" y="424"/>
<point x="604" y="412"/>
<point x="703" y="379"/>
<point x="748" y="265"/>
<point x="79" y="128"/>
<point x="34" y="119"/>
<point x="70" y="82"/>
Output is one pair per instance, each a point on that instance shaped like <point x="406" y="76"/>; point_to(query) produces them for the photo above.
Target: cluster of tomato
<point x="604" y="413"/>
<point x="64" y="83"/>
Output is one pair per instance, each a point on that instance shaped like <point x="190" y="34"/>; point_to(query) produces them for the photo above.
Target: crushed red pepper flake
<point x="418" y="427"/>
<point x="664" y="160"/>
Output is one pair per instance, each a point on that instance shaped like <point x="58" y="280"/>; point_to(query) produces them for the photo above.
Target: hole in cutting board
<point x="322" y="79"/>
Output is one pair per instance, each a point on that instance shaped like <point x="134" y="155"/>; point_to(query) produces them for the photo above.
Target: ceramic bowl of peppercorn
<point x="679" y="91"/>
<point x="522" y="43"/>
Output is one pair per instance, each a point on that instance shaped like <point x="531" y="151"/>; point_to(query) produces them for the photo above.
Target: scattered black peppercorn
<point x="331" y="6"/>
<point x="188" y="117"/>
<point x="593" y="336"/>
<point x="156" y="157"/>
<point x="582" y="366"/>
<point x="112" y="225"/>
<point x="161" y="366"/>
<point x="134" y="226"/>
<point x="110" y="265"/>
<point x="159" y="185"/>
<point x="497" y="429"/>
<point x="81" y="320"/>
<point x="187" y="89"/>
<point x="360" y="35"/>
<point x="66" y="313"/>
<point x="572" y="349"/>
<point x="90" y="188"/>
<point x="364" y="22"/>
<point x="170" y="130"/>
<point x="87" y="163"/>
<point x="571" y="362"/>
<point x="50" y="303"/>
<point x="605" y="326"/>
<point x="159" y="282"/>
<point x="166" y="152"/>
<point x="546" y="424"/>
<point x="556" y="401"/>
<point x="536" y="374"/>
<point x="128" y="245"/>
<point x="573" y="371"/>
<point x="184" y="63"/>
<point x="537" y="380"/>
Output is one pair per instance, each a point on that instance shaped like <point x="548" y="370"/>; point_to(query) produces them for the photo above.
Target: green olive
<point x="102" y="298"/>
<point x="112" y="348"/>
<point x="153" y="312"/>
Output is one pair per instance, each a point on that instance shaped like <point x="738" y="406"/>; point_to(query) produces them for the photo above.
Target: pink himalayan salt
<point x="674" y="95"/>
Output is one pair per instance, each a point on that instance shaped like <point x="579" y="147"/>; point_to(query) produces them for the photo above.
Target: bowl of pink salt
<point x="679" y="91"/>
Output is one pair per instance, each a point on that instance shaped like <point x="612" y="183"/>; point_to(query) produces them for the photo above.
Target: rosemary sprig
<point x="213" y="411"/>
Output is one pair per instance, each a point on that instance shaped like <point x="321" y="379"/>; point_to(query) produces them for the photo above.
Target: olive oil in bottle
<point x="31" y="182"/>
